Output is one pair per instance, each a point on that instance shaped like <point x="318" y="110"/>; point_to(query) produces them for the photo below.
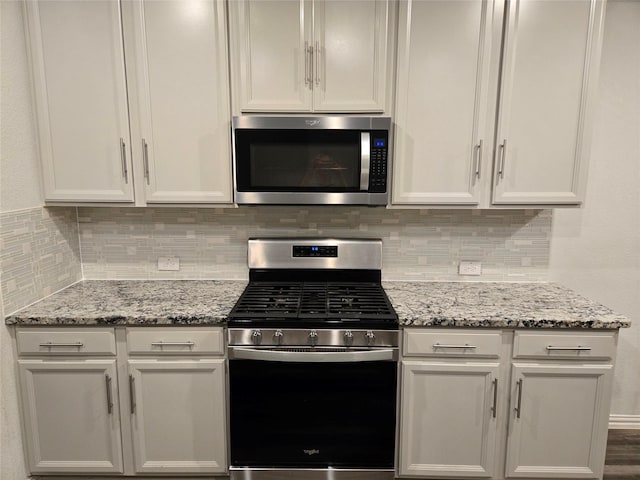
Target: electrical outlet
<point x="169" y="263"/>
<point x="469" y="268"/>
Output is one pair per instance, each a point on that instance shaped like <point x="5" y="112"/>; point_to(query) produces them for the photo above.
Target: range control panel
<point x="315" y="251"/>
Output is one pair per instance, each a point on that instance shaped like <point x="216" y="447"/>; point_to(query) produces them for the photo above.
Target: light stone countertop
<point x="497" y="305"/>
<point x="426" y="304"/>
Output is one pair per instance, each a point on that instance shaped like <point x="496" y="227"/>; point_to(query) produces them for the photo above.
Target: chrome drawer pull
<point x="441" y="345"/>
<point x="52" y="344"/>
<point x="579" y="348"/>
<point x="172" y="344"/>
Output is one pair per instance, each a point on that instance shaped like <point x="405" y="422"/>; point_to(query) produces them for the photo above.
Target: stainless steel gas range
<point x="313" y="345"/>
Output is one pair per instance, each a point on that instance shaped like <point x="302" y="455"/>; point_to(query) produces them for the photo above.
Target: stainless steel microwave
<point x="311" y="160"/>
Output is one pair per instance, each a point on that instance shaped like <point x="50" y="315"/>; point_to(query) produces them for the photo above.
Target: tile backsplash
<point x="39" y="254"/>
<point x="125" y="243"/>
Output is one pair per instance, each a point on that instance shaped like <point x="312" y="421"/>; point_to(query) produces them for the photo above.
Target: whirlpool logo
<point x="313" y="451"/>
<point x="312" y="123"/>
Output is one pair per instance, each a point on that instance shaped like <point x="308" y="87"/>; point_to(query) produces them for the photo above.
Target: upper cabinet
<point x="165" y="123"/>
<point x="311" y="55"/>
<point x="80" y="91"/>
<point x="494" y="101"/>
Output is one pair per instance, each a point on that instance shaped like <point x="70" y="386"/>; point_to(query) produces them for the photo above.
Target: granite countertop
<point x="135" y="302"/>
<point x="426" y="304"/>
<point x="497" y="305"/>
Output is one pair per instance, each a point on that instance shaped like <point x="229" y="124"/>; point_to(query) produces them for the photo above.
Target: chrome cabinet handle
<point x="173" y="344"/>
<point x="503" y="158"/>
<point x="317" y="67"/>
<point x="132" y="394"/>
<point x="52" y="344"/>
<point x="478" y="159"/>
<point x="123" y="157"/>
<point x="518" y="408"/>
<point x="109" y="399"/>
<point x="145" y="159"/>
<point x="579" y="348"/>
<point x="306" y="63"/>
<point x="441" y="345"/>
<point x="494" y="407"/>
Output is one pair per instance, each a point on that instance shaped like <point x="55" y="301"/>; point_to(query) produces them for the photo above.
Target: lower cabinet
<point x="461" y="418"/>
<point x="178" y="415"/>
<point x="448" y="419"/>
<point x="155" y="404"/>
<point x="71" y="418"/>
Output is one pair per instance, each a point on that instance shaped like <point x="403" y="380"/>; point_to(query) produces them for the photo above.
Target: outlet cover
<point x="469" y="268"/>
<point x="169" y="263"/>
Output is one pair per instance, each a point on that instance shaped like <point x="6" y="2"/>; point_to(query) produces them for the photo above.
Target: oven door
<point x="287" y="412"/>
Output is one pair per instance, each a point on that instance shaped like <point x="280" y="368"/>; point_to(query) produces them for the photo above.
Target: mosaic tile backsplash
<point x="39" y="254"/>
<point x="125" y="243"/>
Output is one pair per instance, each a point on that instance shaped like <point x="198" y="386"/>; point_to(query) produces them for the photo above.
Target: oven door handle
<point x="245" y="353"/>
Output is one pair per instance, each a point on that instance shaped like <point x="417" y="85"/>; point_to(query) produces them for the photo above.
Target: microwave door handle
<point x="365" y="160"/>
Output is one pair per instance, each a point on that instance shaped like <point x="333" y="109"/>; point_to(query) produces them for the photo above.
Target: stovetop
<point x="318" y="304"/>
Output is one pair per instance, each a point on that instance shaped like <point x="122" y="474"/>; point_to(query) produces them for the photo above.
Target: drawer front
<point x="175" y="341"/>
<point x="66" y="341"/>
<point x="578" y="345"/>
<point x="450" y="343"/>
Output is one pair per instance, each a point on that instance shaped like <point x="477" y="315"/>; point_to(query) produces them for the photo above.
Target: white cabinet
<point x="173" y="98"/>
<point x="157" y="405"/>
<point x="177" y="400"/>
<point x="311" y="55"/>
<point x="178" y="420"/>
<point x="443" y="125"/>
<point x="179" y="63"/>
<point x="448" y="424"/>
<point x="551" y="55"/>
<point x="560" y="395"/>
<point x="69" y="401"/>
<point x="80" y="91"/>
<point x="454" y="81"/>
<point x="459" y="419"/>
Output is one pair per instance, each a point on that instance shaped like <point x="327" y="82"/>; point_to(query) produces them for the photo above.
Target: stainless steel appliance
<point x="313" y="345"/>
<point x="311" y="160"/>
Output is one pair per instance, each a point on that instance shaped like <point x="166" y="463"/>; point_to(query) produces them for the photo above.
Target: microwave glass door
<point x="298" y="160"/>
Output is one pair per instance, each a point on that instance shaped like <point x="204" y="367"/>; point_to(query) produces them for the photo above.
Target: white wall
<point x="19" y="189"/>
<point x="596" y="250"/>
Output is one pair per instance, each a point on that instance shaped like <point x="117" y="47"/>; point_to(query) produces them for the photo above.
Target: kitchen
<point x="592" y="249"/>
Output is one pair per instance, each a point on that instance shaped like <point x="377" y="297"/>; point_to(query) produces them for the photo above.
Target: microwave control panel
<point x="378" y="162"/>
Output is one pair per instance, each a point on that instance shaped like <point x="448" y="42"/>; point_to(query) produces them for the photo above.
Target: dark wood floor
<point x="623" y="455"/>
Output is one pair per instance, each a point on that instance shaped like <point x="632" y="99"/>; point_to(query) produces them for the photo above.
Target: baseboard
<point x="631" y="422"/>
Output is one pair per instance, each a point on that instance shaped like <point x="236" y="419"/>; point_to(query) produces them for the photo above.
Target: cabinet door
<point x="448" y="423"/>
<point x="442" y="134"/>
<point x="80" y="91"/>
<point x="559" y="419"/>
<point x="71" y="416"/>
<point x="551" y="57"/>
<point x="350" y="55"/>
<point x="271" y="42"/>
<point x="183" y="96"/>
<point x="178" y="416"/>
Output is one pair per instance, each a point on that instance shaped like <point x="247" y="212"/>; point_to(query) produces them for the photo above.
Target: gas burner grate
<point x="313" y="300"/>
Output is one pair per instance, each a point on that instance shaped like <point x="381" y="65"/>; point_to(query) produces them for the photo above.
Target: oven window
<point x="312" y="415"/>
<point x="298" y="160"/>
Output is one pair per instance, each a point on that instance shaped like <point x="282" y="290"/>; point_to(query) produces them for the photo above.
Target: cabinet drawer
<point x="64" y="341"/>
<point x="448" y="343"/>
<point x="175" y="341"/>
<point x="600" y="345"/>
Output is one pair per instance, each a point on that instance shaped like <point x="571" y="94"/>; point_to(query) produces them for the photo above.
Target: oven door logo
<point x="313" y="451"/>
<point x="312" y="123"/>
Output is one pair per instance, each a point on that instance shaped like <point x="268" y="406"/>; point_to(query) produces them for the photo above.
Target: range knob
<point x="371" y="337"/>
<point x="277" y="336"/>
<point x="313" y="338"/>
<point x="256" y="337"/>
<point x="348" y="338"/>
